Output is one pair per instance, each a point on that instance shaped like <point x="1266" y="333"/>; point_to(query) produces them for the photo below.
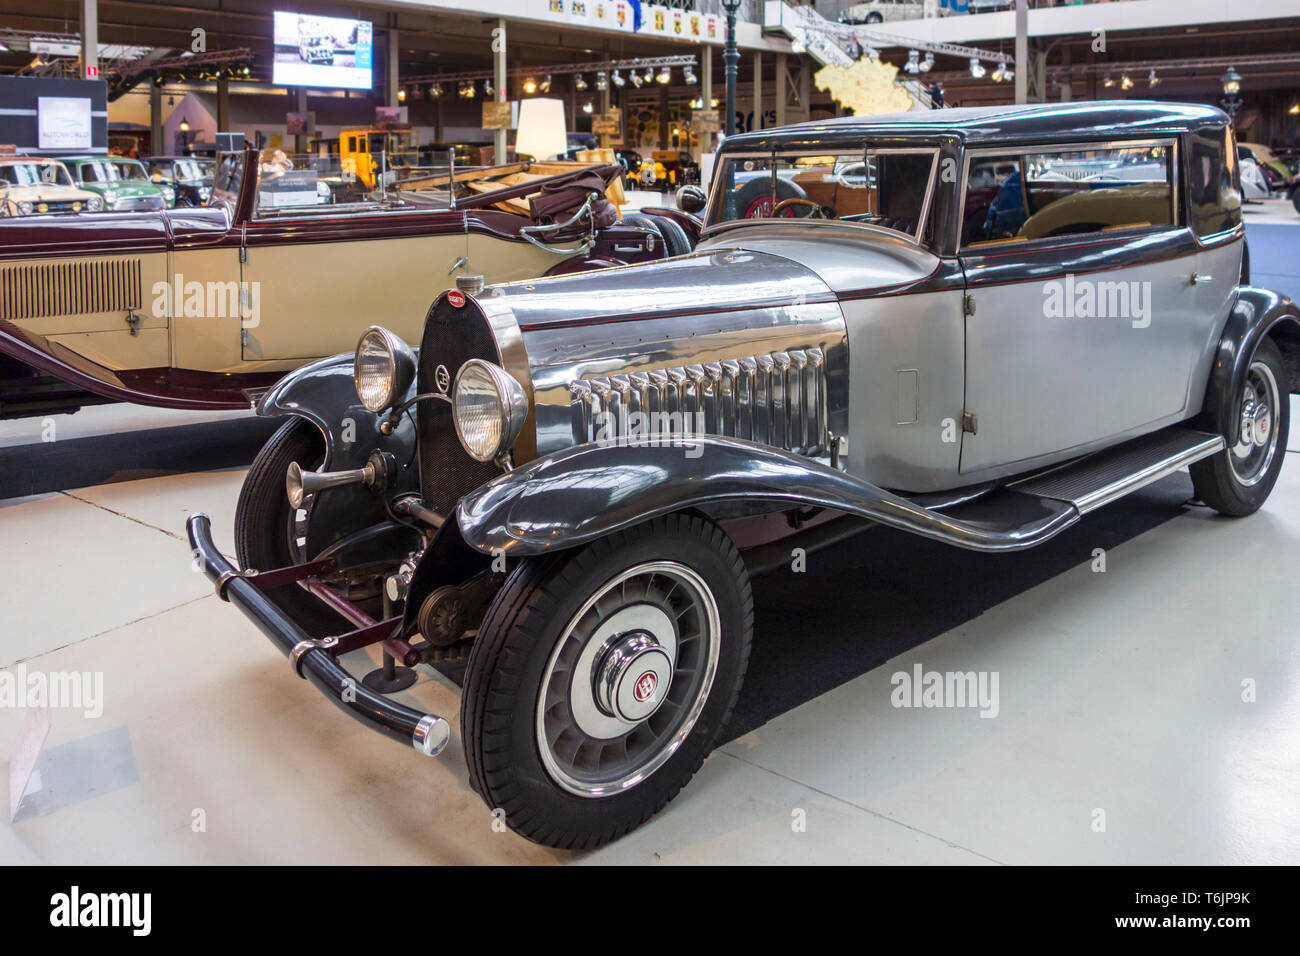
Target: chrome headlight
<point x="25" y="208"/>
<point x="489" y="408"/>
<point x="383" y="370"/>
<point x="110" y="197"/>
<point x="94" y="204"/>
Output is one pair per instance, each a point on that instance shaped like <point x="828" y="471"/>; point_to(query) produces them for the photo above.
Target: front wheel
<point x="1238" y="480"/>
<point x="269" y="532"/>
<point x="601" y="678"/>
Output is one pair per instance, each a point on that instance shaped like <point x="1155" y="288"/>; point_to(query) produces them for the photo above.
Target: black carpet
<point x="69" y="463"/>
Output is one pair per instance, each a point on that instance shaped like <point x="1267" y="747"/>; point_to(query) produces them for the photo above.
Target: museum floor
<point x="1126" y="728"/>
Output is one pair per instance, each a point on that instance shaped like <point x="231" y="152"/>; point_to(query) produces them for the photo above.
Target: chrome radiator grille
<point x="777" y="399"/>
<point x="79" y="287"/>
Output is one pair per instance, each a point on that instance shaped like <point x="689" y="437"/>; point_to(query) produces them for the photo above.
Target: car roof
<point x="992" y="125"/>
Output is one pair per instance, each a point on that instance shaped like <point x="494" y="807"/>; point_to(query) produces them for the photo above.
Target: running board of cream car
<point x="1105" y="476"/>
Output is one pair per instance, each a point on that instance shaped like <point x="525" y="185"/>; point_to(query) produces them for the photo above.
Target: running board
<point x="1097" y="480"/>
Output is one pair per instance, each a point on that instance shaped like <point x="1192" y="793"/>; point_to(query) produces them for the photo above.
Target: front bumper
<point x="314" y="658"/>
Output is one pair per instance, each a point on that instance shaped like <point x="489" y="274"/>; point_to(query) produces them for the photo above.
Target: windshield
<point x="33" y="174"/>
<point x="130" y="172"/>
<point x="187" y="170"/>
<point x="886" y="188"/>
<point x="98" y="172"/>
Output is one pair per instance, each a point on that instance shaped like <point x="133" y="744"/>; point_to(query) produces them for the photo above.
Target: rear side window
<point x="1016" y="197"/>
<point x="1213" y="182"/>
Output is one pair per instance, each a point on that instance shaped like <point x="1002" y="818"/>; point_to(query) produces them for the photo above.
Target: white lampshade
<point x="543" y="132"/>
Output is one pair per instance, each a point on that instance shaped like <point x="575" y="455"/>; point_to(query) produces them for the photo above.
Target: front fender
<point x="583" y="493"/>
<point x="1255" y="313"/>
<point x="324" y="394"/>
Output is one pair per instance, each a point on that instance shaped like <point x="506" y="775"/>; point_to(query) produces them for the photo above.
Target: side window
<point x="1214" y="198"/>
<point x="1018" y="197"/>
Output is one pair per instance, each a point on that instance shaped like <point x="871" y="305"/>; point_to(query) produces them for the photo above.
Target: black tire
<point x="1217" y="482"/>
<point x="675" y="239"/>
<point x="1295" y="198"/>
<point x="263" y="513"/>
<point x="759" y="189"/>
<point x="875" y="18"/>
<point x="525" y="627"/>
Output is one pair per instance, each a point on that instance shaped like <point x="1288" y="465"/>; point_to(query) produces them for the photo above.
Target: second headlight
<point x="489" y="407"/>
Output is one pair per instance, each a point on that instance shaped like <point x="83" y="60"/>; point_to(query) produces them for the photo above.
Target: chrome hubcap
<point x="628" y="679"/>
<point x="1257" y="443"/>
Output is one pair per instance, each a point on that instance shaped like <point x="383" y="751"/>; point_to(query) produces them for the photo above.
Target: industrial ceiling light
<point x="928" y="63"/>
<point x="530" y="86"/>
<point x="665" y="76"/>
<point x="649" y="73"/>
<point x="997" y="74"/>
<point x="688" y="75"/>
<point x="637" y="79"/>
<point x="977" y="69"/>
<point x="579" y="82"/>
<point x="1125" y="82"/>
<point x="913" y="64"/>
<point x="602" y="81"/>
<point x="618" y="79"/>
<point x="1008" y="74"/>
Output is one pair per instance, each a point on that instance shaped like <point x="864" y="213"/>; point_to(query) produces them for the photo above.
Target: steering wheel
<point x="817" y="211"/>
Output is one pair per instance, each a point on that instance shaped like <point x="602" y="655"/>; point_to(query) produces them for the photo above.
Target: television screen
<point x="322" y="52"/>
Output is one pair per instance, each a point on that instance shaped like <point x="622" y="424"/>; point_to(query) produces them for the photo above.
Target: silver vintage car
<point x="562" y="488"/>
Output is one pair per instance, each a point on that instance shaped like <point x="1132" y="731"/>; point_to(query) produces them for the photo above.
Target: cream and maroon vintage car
<point x="203" y="308"/>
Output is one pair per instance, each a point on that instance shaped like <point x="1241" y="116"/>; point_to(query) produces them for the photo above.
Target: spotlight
<point x="998" y="74"/>
<point x="1125" y="83"/>
<point x="1295" y="109"/>
<point x="1107" y="81"/>
<point x="530" y="86"/>
<point x="602" y="80"/>
<point x="913" y="64"/>
<point x="977" y="69"/>
<point x="401" y="94"/>
<point x="470" y="90"/>
<point x="488" y="89"/>
<point x="649" y="73"/>
<point x="697" y="103"/>
<point x="1152" y="79"/>
<point x="579" y="83"/>
<point x="545" y="85"/>
<point x="588" y="107"/>
<point x="665" y="76"/>
<point x="713" y="103"/>
<point x="618" y="79"/>
<point x="637" y="79"/>
<point x="688" y="75"/>
<point x="928" y="63"/>
<point x="436" y="90"/>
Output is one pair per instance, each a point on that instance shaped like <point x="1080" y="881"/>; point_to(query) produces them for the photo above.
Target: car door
<point x="1082" y="325"/>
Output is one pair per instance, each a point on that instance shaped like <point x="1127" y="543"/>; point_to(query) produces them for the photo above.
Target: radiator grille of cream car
<point x="84" y="287"/>
<point x="777" y="399"/>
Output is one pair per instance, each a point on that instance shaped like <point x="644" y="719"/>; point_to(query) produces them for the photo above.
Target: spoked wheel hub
<point x="628" y="679"/>
<point x="1257" y="443"/>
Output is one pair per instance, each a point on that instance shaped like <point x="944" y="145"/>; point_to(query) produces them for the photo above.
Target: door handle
<point x="1198" y="278"/>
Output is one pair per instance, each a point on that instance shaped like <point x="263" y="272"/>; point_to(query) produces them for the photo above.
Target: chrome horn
<point x="298" y="483"/>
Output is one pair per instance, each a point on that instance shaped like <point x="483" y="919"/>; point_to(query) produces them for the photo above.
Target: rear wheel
<point x="601" y="678"/>
<point x="1238" y="480"/>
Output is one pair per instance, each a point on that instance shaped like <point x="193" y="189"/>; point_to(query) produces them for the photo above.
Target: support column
<point x="499" y="139"/>
<point x="758" y="91"/>
<point x="706" y="95"/>
<point x="1066" y="90"/>
<point x="89" y="37"/>
<point x="1022" y="51"/>
<point x="156" y="120"/>
<point x="391" y="79"/>
<point x="805" y="89"/>
<point x="223" y="103"/>
<point x="300" y="141"/>
<point x="781" y="94"/>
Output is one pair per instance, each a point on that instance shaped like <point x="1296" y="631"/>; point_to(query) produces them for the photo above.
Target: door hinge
<point x="970" y="422"/>
<point x="243" y="254"/>
<point x="967" y="304"/>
